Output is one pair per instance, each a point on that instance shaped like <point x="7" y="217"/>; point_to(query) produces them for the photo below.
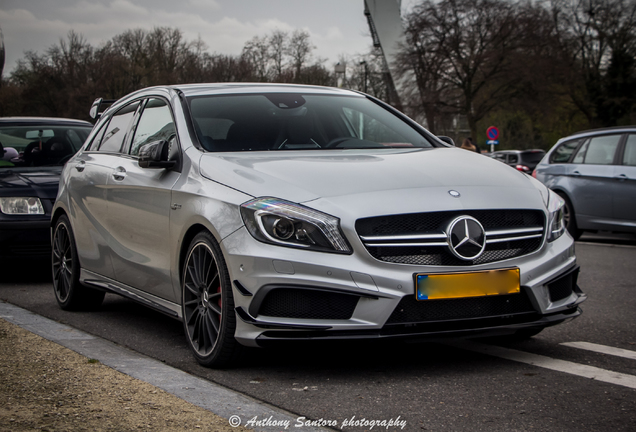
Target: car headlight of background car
<point x="21" y="206"/>
<point x="284" y="223"/>
<point x="556" y="226"/>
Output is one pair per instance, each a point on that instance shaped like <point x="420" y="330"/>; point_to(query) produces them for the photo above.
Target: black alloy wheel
<point x="209" y="319"/>
<point x="69" y="292"/>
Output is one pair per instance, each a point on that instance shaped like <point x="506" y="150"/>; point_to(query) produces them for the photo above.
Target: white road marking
<point x="618" y="352"/>
<point x="606" y="245"/>
<point x="585" y="371"/>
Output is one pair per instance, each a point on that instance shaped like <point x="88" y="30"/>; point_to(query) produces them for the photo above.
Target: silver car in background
<point x="260" y="214"/>
<point x="595" y="173"/>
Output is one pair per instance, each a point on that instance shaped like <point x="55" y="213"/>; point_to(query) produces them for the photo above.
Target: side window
<point x="513" y="158"/>
<point x="500" y="157"/>
<point x="580" y="155"/>
<point x="564" y="151"/>
<point x="601" y="150"/>
<point x="115" y="132"/>
<point x="97" y="139"/>
<point x="629" y="157"/>
<point x="155" y="124"/>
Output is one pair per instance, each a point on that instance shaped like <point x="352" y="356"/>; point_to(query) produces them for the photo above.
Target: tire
<point x="69" y="292"/>
<point x="570" y="218"/>
<point x="207" y="304"/>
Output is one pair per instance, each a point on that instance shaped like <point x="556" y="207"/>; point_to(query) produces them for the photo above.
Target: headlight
<point x="556" y="226"/>
<point x="21" y="206"/>
<point x="283" y="223"/>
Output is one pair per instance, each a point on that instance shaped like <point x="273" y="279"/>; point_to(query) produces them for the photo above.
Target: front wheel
<point x="570" y="218"/>
<point x="69" y="292"/>
<point x="207" y="304"/>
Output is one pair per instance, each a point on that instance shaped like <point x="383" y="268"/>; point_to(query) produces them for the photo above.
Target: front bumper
<point x="302" y="295"/>
<point x="25" y="237"/>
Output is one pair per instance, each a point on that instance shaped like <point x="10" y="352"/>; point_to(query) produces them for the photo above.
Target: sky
<point x="337" y="27"/>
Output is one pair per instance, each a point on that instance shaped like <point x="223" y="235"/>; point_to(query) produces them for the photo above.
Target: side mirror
<point x="155" y="155"/>
<point x="447" y="140"/>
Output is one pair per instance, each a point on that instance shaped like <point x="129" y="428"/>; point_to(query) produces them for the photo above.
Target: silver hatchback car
<point x="595" y="173"/>
<point x="260" y="214"/>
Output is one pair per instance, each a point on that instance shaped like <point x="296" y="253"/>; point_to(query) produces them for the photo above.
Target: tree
<point x="299" y="50"/>
<point x="460" y="53"/>
<point x="257" y="52"/>
<point x="597" y="42"/>
<point x="277" y="50"/>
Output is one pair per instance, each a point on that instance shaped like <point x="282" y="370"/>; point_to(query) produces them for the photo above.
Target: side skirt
<point x="157" y="303"/>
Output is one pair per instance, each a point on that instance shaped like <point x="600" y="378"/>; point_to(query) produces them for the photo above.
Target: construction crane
<point x="385" y="24"/>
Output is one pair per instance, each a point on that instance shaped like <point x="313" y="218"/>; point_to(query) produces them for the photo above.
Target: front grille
<point x="421" y="239"/>
<point x="411" y="311"/>
<point x="309" y="304"/>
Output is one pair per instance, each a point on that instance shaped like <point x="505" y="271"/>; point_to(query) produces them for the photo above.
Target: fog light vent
<point x="308" y="304"/>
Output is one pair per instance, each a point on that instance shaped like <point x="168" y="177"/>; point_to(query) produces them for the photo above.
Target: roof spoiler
<point x="94" y="112"/>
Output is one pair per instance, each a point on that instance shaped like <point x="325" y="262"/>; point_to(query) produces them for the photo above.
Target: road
<point x="568" y="378"/>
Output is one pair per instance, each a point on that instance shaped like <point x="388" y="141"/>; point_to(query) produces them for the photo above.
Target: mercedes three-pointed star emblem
<point x="466" y="238"/>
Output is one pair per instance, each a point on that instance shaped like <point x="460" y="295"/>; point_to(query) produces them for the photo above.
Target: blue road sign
<point x="492" y="133"/>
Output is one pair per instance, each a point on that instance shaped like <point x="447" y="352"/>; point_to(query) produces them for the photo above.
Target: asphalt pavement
<point x="577" y="376"/>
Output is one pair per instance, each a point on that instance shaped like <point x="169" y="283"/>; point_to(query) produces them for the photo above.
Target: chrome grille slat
<point x="404" y="237"/>
<point x="406" y="244"/>
<point x="515" y="231"/>
<point x="505" y="239"/>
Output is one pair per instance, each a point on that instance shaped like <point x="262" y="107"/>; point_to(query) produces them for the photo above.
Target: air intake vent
<point x="309" y="304"/>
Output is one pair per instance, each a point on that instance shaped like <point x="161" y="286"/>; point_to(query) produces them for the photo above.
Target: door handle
<point x="80" y="166"/>
<point x="119" y="173"/>
<point x="621" y="177"/>
<point x="576" y="174"/>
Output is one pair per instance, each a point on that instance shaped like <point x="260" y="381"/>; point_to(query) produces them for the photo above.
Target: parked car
<point x="32" y="153"/>
<point x="523" y="160"/>
<point x="261" y="214"/>
<point x="595" y="173"/>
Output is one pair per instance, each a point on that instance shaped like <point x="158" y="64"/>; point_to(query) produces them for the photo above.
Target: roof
<point x="519" y="151"/>
<point x="246" y="88"/>
<point x="43" y="121"/>
<point x="603" y="130"/>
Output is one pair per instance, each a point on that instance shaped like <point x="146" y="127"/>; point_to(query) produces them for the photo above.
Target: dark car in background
<point x="595" y="173"/>
<point x="32" y="153"/>
<point x="523" y="160"/>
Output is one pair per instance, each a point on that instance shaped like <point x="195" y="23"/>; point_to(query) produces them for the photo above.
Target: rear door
<point x="591" y="181"/>
<point x="625" y="185"/>
<point x="88" y="189"/>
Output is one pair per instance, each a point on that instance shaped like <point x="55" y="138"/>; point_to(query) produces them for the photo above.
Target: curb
<point x="197" y="391"/>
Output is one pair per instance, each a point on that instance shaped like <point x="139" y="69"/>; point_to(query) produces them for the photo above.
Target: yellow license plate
<point x="471" y="284"/>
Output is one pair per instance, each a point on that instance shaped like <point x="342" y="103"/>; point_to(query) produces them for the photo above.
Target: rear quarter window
<point x="563" y="153"/>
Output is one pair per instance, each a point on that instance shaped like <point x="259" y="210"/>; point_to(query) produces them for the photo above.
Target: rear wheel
<point x="570" y="218"/>
<point x="69" y="292"/>
<point x="209" y="319"/>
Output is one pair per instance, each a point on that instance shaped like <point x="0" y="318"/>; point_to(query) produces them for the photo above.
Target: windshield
<point x="286" y="121"/>
<point x="40" y="145"/>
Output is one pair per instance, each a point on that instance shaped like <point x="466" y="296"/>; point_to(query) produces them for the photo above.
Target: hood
<point x="42" y="183"/>
<point x="394" y="177"/>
